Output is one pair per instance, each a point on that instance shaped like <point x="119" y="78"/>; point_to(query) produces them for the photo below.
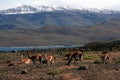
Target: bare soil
<point x="11" y="67"/>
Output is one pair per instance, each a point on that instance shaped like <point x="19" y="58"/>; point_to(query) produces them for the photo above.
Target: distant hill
<point x="108" y="46"/>
<point x="54" y="35"/>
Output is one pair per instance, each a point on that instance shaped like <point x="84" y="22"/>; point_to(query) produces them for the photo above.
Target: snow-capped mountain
<point x="18" y="10"/>
<point x="31" y="9"/>
<point x="56" y="16"/>
<point x="58" y="22"/>
<point x="41" y="8"/>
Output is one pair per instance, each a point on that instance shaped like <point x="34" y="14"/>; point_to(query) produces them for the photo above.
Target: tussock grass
<point x="54" y="72"/>
<point x="92" y="55"/>
<point x="89" y="57"/>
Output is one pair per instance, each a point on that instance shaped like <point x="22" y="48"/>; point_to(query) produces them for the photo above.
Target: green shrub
<point x="54" y="72"/>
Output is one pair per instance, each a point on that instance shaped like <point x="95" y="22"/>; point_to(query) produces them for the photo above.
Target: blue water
<point x="36" y="47"/>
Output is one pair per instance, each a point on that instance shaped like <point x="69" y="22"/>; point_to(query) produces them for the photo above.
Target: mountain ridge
<point x="71" y="18"/>
<point x="24" y="9"/>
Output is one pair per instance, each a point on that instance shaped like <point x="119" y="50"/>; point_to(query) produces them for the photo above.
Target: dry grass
<point x="60" y="72"/>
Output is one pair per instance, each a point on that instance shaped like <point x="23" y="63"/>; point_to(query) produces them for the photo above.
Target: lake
<point x="37" y="47"/>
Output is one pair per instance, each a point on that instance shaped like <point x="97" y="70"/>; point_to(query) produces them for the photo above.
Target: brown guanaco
<point x="104" y="57"/>
<point x="35" y="57"/>
<point x="25" y="60"/>
<point x="75" y="55"/>
<point x="49" y="59"/>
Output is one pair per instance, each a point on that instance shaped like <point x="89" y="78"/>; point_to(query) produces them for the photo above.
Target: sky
<point x="77" y="4"/>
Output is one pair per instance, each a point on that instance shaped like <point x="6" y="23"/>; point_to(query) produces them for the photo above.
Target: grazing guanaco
<point x="49" y="59"/>
<point x="75" y="55"/>
<point x="104" y="57"/>
<point x="25" y="60"/>
<point x="35" y="57"/>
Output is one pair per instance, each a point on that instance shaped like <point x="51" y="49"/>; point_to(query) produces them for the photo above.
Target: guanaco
<point x="49" y="59"/>
<point x="35" y="57"/>
<point x="75" y="55"/>
<point x="25" y="60"/>
<point x="104" y="57"/>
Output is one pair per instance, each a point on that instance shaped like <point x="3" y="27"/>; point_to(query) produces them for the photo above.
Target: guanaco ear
<point x="28" y="54"/>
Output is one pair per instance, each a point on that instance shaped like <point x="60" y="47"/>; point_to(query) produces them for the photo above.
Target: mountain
<point x="43" y="25"/>
<point x="31" y="9"/>
<point x="38" y="16"/>
<point x="19" y="10"/>
<point x="42" y="8"/>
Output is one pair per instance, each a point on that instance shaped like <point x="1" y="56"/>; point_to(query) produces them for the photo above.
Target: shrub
<point x="54" y="72"/>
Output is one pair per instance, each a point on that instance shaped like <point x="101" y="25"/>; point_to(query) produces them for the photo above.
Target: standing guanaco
<point x="49" y="59"/>
<point x="104" y="57"/>
<point x="35" y="57"/>
<point x="75" y="55"/>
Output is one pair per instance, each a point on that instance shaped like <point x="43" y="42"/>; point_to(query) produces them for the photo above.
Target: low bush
<point x="54" y="72"/>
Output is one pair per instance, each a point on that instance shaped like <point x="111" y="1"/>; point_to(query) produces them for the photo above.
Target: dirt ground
<point x="11" y="68"/>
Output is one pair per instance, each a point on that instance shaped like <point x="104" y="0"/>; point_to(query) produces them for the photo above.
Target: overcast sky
<point x="99" y="4"/>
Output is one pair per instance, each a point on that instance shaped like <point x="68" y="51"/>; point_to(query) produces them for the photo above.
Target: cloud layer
<point x="78" y="4"/>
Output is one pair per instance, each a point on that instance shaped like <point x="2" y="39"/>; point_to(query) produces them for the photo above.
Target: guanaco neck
<point x="28" y="54"/>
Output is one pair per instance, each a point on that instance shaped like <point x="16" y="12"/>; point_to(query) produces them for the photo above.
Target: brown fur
<point x="104" y="57"/>
<point x="50" y="59"/>
<point x="35" y="57"/>
<point x="75" y="55"/>
<point x="25" y="60"/>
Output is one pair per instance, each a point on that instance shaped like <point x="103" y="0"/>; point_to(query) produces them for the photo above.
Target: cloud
<point x="99" y="4"/>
